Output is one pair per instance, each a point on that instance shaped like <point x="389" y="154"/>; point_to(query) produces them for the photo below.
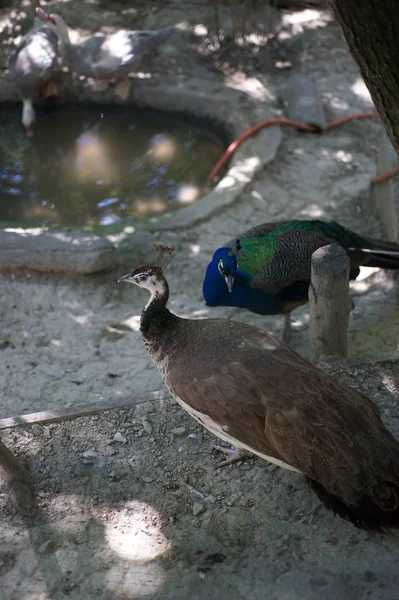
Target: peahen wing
<point x="274" y="402"/>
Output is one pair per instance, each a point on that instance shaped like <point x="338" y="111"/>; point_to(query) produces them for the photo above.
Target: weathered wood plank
<point x="73" y="412"/>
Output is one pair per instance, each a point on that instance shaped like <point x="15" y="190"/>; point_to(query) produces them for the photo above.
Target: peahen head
<point x="149" y="277"/>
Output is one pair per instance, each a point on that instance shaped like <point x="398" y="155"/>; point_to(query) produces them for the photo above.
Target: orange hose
<point x="349" y="118"/>
<point x="385" y="175"/>
<point x="281" y="121"/>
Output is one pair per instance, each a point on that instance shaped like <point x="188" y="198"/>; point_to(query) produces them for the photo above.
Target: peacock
<point x="267" y="269"/>
<point x="256" y="393"/>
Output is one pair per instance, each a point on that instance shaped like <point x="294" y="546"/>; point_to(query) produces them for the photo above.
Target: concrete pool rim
<point x="224" y="111"/>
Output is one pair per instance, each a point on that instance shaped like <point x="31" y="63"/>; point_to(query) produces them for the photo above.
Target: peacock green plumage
<point x="275" y="256"/>
<point x="266" y="270"/>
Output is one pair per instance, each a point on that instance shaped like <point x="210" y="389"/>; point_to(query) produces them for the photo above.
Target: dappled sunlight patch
<point x="199" y="30"/>
<point x="366" y="272"/>
<point x="371" y="276"/>
<point x="149" y="206"/>
<point x="390" y="383"/>
<point x="132" y="323"/>
<point x="306" y="19"/>
<point x="313" y="211"/>
<point x="195" y="249"/>
<point x="243" y="169"/>
<point x="360" y="89"/>
<point x="187" y="194"/>
<point x="91" y="160"/>
<point x="24" y="232"/>
<point x="225" y="183"/>
<point x="337" y="103"/>
<point x="82" y="320"/>
<point x="343" y="157"/>
<point x="163" y="148"/>
<point x="251" y="86"/>
<point x="135" y="535"/>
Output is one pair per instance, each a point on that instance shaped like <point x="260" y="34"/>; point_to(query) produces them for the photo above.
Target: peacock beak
<point x="229" y="282"/>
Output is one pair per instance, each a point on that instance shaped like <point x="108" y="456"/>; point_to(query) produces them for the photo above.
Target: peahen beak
<point x="125" y="278"/>
<point x="229" y="282"/>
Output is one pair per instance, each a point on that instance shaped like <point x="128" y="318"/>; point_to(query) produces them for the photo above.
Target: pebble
<point x="147" y="479"/>
<point x="147" y="426"/>
<point x="198" y="509"/>
<point x="179" y="431"/>
<point x="118" y="437"/>
<point x="47" y="547"/>
<point x="90" y="453"/>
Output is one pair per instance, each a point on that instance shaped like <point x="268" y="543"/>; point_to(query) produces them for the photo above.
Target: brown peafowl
<point x="256" y="393"/>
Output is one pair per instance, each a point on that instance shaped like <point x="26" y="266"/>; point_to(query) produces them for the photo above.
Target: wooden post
<point x="329" y="304"/>
<point x="383" y="194"/>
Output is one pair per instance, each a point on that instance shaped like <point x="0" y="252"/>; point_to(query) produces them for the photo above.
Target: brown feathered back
<point x="281" y="406"/>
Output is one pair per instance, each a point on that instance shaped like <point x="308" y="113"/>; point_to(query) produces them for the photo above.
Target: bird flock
<point x="33" y="63"/>
<point x="257" y="394"/>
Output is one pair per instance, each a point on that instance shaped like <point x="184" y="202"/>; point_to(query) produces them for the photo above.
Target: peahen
<point x="267" y="269"/>
<point x="256" y="393"/>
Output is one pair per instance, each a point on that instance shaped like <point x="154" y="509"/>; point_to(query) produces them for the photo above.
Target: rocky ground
<point x="128" y="503"/>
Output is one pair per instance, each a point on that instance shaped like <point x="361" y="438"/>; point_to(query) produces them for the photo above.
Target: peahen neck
<point x="155" y="317"/>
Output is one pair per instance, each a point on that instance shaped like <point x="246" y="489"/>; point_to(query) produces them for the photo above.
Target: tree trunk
<point x="371" y="30"/>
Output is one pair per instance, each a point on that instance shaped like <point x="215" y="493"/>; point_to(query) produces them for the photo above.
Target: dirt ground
<point x="145" y="514"/>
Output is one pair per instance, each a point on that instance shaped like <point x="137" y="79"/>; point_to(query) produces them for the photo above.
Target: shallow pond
<point x="100" y="166"/>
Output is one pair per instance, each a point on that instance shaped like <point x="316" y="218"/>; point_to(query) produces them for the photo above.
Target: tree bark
<point x="371" y="30"/>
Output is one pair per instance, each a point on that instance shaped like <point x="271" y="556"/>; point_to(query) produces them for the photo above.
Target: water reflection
<point x="92" y="167"/>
